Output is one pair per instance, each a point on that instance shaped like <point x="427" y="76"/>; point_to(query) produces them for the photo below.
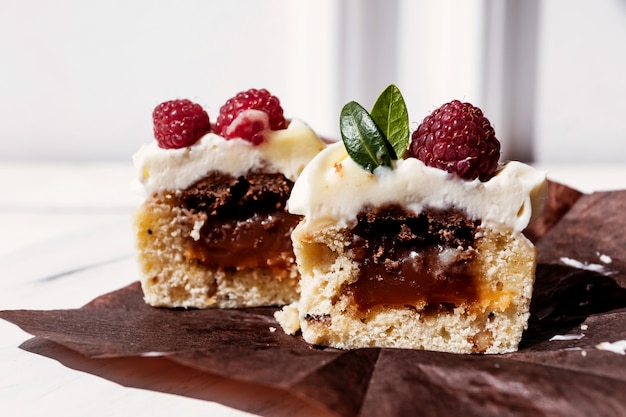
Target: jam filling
<point x="244" y="220"/>
<point x="423" y="260"/>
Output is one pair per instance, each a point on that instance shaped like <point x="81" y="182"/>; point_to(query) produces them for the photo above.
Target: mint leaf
<point x="362" y="138"/>
<point x="392" y="117"/>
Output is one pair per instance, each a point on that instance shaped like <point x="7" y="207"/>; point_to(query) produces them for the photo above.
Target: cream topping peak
<point x="285" y="151"/>
<point x="334" y="189"/>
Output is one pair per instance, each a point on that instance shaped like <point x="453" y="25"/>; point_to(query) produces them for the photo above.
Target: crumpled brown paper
<point x="579" y="303"/>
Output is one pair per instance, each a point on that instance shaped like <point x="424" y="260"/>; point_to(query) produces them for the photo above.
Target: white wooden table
<point x="65" y="238"/>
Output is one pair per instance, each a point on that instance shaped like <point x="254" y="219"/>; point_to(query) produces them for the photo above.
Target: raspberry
<point x="459" y="139"/>
<point x="179" y="123"/>
<point x="249" y="115"/>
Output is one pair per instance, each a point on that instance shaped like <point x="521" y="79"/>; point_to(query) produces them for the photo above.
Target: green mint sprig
<point x="375" y="139"/>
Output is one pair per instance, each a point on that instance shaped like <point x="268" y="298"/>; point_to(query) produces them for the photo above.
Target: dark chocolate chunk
<point x="223" y="195"/>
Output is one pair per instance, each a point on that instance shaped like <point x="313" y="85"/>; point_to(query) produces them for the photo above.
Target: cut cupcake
<point x="423" y="251"/>
<point x="214" y="230"/>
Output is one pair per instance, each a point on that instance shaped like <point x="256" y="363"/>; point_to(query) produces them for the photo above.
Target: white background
<point x="79" y="79"/>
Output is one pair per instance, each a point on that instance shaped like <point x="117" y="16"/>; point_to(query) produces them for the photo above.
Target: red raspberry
<point x="459" y="139"/>
<point x="249" y="115"/>
<point x="179" y="123"/>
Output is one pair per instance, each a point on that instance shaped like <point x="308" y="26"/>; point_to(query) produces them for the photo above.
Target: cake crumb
<point x="195" y="233"/>
<point x="272" y="329"/>
<point x="567" y="337"/>
<point x="152" y="354"/>
<point x="288" y="318"/>
<point x="604" y="258"/>
<point x="586" y="265"/>
<point x="618" y="347"/>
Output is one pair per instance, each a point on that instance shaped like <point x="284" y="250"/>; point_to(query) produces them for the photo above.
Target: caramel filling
<point x="423" y="260"/>
<point x="243" y="222"/>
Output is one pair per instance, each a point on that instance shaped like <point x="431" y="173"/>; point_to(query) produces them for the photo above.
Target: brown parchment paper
<point x="580" y="297"/>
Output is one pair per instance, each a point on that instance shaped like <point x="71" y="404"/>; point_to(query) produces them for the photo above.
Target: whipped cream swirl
<point x="333" y="189"/>
<point x="285" y="151"/>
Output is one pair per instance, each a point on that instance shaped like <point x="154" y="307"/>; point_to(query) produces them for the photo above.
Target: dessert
<point x="213" y="230"/>
<point x="414" y="245"/>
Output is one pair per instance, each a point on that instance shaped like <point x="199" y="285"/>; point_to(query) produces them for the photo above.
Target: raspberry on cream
<point x="286" y="151"/>
<point x="457" y="138"/>
<point x="179" y="123"/>
<point x="249" y="115"/>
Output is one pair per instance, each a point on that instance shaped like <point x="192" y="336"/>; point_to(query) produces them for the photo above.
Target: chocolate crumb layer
<point x="223" y="195"/>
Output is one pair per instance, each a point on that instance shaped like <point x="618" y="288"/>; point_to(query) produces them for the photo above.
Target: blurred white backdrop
<point x="79" y="78"/>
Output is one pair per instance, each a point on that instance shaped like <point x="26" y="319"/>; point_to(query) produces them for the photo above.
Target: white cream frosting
<point x="333" y="189"/>
<point x="286" y="151"/>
